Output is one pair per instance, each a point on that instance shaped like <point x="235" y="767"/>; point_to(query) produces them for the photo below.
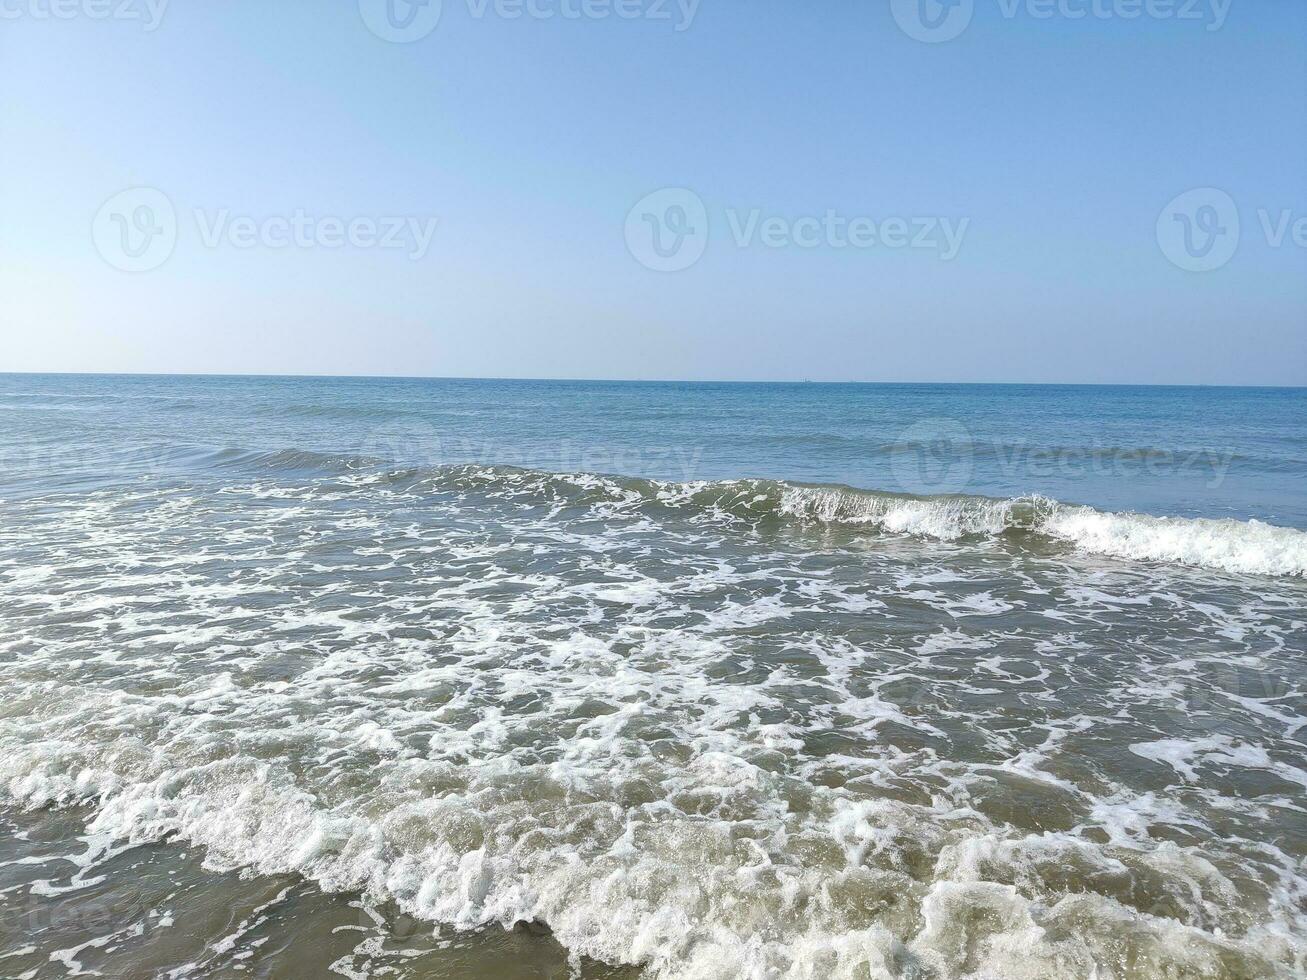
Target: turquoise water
<point x="1209" y="452"/>
<point x="413" y="678"/>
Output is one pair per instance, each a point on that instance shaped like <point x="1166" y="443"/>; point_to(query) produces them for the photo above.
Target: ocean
<point x="309" y="677"/>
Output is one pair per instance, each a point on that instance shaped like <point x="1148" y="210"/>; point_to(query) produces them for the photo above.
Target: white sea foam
<point x="1245" y="547"/>
<point x="697" y="899"/>
<point x="1248" y="547"/>
<point x="945" y="518"/>
<point x="719" y="755"/>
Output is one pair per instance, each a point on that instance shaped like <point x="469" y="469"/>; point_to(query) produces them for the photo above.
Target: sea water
<point x="446" y="678"/>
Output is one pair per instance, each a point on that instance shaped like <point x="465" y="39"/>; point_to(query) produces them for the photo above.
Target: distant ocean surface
<point x="508" y="679"/>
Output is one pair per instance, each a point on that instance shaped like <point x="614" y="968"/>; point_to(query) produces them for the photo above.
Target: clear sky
<point x="1049" y="145"/>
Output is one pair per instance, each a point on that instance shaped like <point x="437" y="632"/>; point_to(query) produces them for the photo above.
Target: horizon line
<point x="597" y="380"/>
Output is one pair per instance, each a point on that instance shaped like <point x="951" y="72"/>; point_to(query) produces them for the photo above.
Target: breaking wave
<point x="1242" y="547"/>
<point x="691" y="726"/>
<point x="1247" y="547"/>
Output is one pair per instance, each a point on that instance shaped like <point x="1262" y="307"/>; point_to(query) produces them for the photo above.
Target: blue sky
<point x="502" y="155"/>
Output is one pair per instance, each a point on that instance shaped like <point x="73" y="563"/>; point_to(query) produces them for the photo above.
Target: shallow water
<point x="292" y="695"/>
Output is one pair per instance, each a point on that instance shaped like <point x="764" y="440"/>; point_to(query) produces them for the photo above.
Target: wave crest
<point x="1242" y="547"/>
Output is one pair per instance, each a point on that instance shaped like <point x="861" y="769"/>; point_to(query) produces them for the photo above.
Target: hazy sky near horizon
<point x="298" y="194"/>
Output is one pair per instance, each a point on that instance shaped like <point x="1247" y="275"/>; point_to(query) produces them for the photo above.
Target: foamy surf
<point x="719" y="729"/>
<point x="689" y="899"/>
<point x="634" y="712"/>
<point x="1246" y="547"/>
<point x="1242" y="547"/>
